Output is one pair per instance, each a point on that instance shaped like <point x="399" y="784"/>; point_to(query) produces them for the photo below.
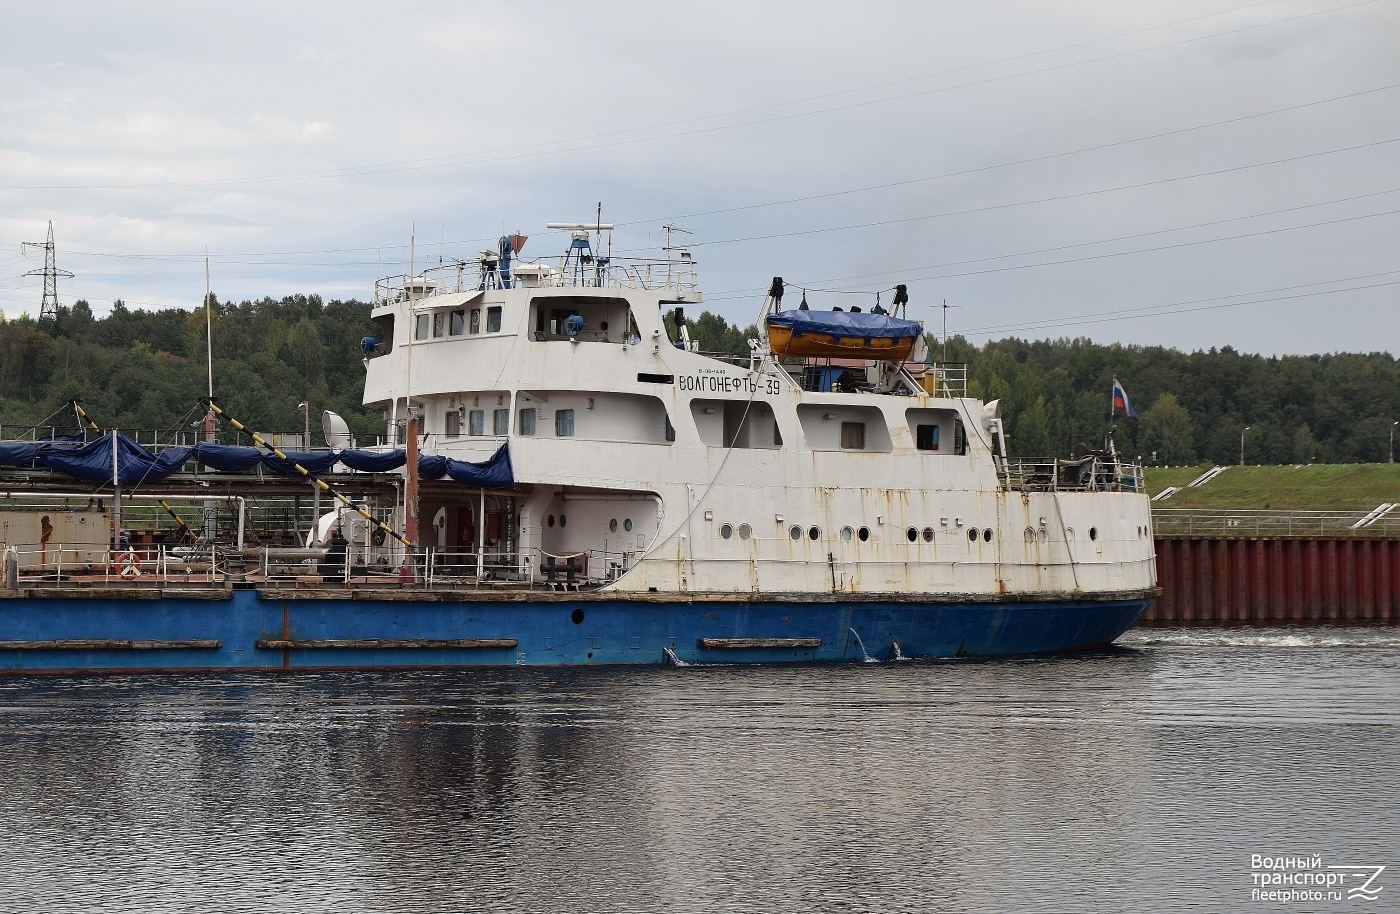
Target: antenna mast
<point x="51" y="273"/>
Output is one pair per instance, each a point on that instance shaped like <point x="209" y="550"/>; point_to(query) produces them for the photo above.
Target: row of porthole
<point x="1032" y="535"/>
<point x="612" y="524"/>
<point x="727" y="531"/>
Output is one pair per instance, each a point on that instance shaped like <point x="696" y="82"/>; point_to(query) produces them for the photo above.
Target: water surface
<point x="1141" y="778"/>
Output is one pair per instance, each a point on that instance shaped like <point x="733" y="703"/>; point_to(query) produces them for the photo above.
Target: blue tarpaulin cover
<point x="93" y="461"/>
<point x="373" y="461"/>
<point x="135" y="464"/>
<point x="846" y="323"/>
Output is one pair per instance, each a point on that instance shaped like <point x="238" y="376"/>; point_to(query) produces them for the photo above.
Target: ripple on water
<point x="1141" y="777"/>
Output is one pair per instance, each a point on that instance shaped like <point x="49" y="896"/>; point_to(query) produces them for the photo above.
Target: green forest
<point x="146" y="370"/>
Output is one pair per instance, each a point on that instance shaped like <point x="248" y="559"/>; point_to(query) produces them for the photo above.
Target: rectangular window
<point x="476" y="320"/>
<point x="926" y="437"/>
<point x="459" y="319"/>
<point x="439" y="323"/>
<point x="452" y="424"/>
<point x="527" y="422"/>
<point x="563" y="422"/>
<point x="476" y="424"/>
<point x="420" y="327"/>
<point x="670" y="430"/>
<point x="853" y="436"/>
<point x="493" y="319"/>
<point x="501" y="422"/>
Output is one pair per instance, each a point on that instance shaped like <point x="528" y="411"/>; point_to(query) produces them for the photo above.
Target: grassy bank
<point x="1311" y="487"/>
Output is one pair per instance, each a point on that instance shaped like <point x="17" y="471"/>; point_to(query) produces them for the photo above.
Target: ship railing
<point x="1091" y="474"/>
<point x="1245" y="522"/>
<point x="677" y="274"/>
<point x="55" y="565"/>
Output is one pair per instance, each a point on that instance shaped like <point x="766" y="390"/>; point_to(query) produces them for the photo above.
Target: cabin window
<point x="493" y="319"/>
<point x="420" y="327"/>
<point x="853" y="436"/>
<point x="452" y="424"/>
<point x="459" y="320"/>
<point x="476" y="320"/>
<point x="439" y="324"/>
<point x="526" y="426"/>
<point x="476" y="422"/>
<point x="564" y="423"/>
<point x="500" y="422"/>
<point x="926" y="437"/>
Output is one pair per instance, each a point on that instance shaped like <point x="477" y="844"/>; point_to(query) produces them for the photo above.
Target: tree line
<point x="137" y="369"/>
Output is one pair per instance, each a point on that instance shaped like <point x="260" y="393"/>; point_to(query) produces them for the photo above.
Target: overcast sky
<point x="1192" y="173"/>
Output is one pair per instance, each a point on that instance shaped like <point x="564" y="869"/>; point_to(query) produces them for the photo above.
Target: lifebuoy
<point x="129" y="565"/>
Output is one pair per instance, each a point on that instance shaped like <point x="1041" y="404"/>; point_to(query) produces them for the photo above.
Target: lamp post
<point x="305" y="406"/>
<point x="1392" y="439"/>
<point x="1242" y="431"/>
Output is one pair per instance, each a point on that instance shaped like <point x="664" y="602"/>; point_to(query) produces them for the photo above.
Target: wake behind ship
<point x="565" y="479"/>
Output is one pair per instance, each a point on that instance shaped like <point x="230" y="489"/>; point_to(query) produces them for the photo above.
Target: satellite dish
<point x="337" y="432"/>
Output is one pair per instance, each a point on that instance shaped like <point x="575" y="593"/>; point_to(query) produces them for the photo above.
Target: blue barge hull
<point x="272" y="630"/>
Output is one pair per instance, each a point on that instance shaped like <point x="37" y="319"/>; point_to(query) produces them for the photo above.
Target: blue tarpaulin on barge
<point x="135" y="464"/>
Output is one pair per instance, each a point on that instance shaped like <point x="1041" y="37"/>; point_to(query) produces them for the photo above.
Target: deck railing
<point x="1091" y="474"/>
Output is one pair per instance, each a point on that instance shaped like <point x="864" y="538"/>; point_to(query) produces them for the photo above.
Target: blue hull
<point x="243" y="629"/>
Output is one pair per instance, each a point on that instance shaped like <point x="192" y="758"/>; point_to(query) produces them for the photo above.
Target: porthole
<point x="726" y="531"/>
<point x="847" y="534"/>
<point x="863" y="533"/>
<point x="563" y="520"/>
<point x="1043" y="535"/>
<point x="612" y="525"/>
<point x="928" y="534"/>
<point x="627" y="524"/>
<point x="1030" y="534"/>
<point x="577" y="616"/>
<point x="913" y="534"/>
<point x="551" y="520"/>
<point x="814" y="533"/>
<point x="987" y="535"/>
<point x="972" y="535"/>
<point x="1069" y="533"/>
<point x="795" y="532"/>
<point x="1093" y="533"/>
<point x="745" y="531"/>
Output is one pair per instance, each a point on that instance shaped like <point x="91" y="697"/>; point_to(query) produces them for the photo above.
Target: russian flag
<point x="1120" y="400"/>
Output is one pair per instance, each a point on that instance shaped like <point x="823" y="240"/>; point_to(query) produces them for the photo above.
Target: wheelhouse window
<point x="452" y="423"/>
<point x="564" y="423"/>
<point x="500" y="422"/>
<point x="440" y="324"/>
<point x="476" y="320"/>
<point x="526" y="425"/>
<point x="420" y="327"/>
<point x="853" y="436"/>
<point x="493" y="319"/>
<point x="476" y="422"/>
<point x="459" y="319"/>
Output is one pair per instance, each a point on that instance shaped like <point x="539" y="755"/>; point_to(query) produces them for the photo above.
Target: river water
<point x="1146" y="778"/>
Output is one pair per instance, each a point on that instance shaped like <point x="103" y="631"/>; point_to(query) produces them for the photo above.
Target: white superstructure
<point x="649" y="466"/>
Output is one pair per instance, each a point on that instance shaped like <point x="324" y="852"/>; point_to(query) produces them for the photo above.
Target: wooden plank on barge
<point x="735" y="643"/>
<point x="110" y="644"/>
<point x="282" y="644"/>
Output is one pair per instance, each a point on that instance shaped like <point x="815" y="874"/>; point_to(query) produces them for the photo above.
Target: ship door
<point x="466" y="531"/>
